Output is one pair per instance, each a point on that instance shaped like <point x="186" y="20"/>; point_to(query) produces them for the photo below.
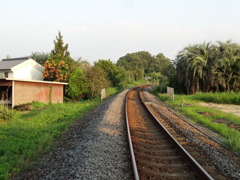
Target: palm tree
<point x="209" y="67"/>
<point x="228" y="64"/>
<point x="191" y="65"/>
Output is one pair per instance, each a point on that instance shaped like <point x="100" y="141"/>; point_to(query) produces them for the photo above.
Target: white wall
<point x="29" y="69"/>
<point x="28" y="72"/>
<point x="10" y="75"/>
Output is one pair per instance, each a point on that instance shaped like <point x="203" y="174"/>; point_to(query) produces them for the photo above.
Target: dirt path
<point x="228" y="108"/>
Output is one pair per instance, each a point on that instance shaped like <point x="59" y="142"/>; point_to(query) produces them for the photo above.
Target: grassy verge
<point x="25" y="138"/>
<point x="219" y="122"/>
<point x="111" y="91"/>
<point x="222" y="97"/>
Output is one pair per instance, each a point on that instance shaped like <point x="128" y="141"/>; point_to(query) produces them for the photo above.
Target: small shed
<point x="18" y="91"/>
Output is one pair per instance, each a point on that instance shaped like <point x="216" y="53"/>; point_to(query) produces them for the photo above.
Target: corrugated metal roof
<point x="8" y="64"/>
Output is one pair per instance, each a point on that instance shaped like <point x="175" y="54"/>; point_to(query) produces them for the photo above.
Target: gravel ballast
<point x="96" y="147"/>
<point x="225" y="161"/>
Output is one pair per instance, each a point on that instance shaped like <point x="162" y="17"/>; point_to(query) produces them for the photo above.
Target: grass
<point x="6" y="114"/>
<point x="111" y="91"/>
<point x="221" y="97"/>
<point x="207" y="117"/>
<point x="137" y="83"/>
<point x="24" y="139"/>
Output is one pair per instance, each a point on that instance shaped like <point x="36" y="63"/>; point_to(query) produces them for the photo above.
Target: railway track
<point x="156" y="154"/>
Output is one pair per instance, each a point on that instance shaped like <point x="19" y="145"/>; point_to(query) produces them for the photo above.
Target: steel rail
<point x="208" y="135"/>
<point x="134" y="164"/>
<point x="196" y="165"/>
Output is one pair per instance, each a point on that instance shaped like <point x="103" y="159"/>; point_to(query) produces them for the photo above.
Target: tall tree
<point x="227" y="66"/>
<point x="135" y="61"/>
<point x="164" y="66"/>
<point x="59" y="65"/>
<point x="60" y="51"/>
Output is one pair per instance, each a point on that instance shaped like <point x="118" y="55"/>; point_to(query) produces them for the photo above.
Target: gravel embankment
<point x="96" y="147"/>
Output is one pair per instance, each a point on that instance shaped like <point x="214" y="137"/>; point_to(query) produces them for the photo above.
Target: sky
<point x="109" y="29"/>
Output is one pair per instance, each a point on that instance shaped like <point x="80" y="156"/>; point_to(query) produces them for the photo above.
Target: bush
<point x="77" y="87"/>
<point x="6" y="114"/>
<point x="162" y="88"/>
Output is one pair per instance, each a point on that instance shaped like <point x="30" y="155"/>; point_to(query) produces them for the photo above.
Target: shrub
<point x="6" y="113"/>
<point x="77" y="87"/>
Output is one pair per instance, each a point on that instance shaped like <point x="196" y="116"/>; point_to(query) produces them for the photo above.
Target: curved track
<point x="155" y="153"/>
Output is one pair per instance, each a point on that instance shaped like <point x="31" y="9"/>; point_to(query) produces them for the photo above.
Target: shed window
<point x="6" y="74"/>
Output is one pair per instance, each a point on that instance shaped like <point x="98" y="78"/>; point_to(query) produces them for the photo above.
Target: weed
<point x="6" y="114"/>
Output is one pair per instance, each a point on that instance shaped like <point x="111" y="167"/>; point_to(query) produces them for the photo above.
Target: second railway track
<point x="155" y="153"/>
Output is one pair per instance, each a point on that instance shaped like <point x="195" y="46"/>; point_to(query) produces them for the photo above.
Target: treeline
<point x="143" y="64"/>
<point x="209" y="67"/>
<point x="205" y="67"/>
<point x="86" y="81"/>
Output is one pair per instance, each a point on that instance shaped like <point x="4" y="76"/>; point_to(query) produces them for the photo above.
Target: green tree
<point x="60" y="51"/>
<point x="77" y="85"/>
<point x="137" y="62"/>
<point x="209" y="67"/>
<point x="40" y="57"/>
<point x="134" y="61"/>
<point x="164" y="66"/>
<point x="191" y="63"/>
<point x="96" y="80"/>
<point x="227" y="71"/>
<point x="117" y="75"/>
<point x="107" y="66"/>
<point x="154" y="77"/>
<point x="130" y="62"/>
<point x="142" y="62"/>
<point x="59" y="65"/>
<point x="120" y="77"/>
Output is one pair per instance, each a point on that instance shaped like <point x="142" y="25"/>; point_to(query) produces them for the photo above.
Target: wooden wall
<point x="25" y="92"/>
